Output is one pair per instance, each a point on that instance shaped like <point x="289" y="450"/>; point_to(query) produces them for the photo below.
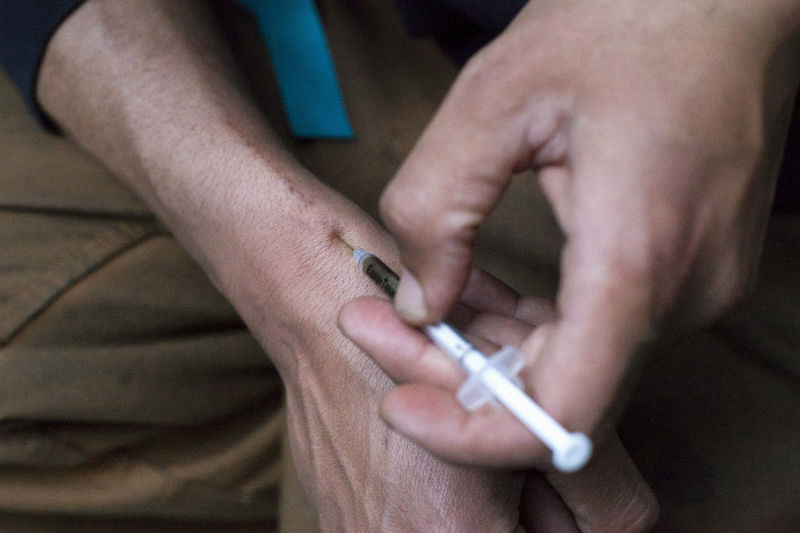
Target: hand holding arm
<point x="149" y="89"/>
<point x="656" y="130"/>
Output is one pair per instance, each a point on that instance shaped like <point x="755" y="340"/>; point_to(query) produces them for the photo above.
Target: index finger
<point x="454" y="177"/>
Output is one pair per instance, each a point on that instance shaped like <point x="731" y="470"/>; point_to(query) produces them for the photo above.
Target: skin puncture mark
<point x="339" y="238"/>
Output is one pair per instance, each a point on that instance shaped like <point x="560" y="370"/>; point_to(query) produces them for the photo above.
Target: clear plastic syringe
<point x="491" y="379"/>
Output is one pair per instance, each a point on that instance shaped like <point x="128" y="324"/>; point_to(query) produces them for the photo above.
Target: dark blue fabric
<point x="25" y="29"/>
<point x="460" y="27"/>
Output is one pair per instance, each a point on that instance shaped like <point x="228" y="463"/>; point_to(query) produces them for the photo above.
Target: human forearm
<point x="148" y="88"/>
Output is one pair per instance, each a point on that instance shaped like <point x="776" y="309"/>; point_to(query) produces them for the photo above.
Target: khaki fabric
<point x="132" y="399"/>
<point x="130" y="393"/>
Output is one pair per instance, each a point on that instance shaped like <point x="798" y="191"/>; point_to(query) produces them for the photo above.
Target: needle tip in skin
<point x="340" y="239"/>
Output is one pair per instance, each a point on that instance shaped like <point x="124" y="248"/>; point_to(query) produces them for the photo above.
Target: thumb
<point x="452" y="180"/>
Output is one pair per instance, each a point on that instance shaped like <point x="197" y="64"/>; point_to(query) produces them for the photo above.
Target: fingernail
<point x="409" y="300"/>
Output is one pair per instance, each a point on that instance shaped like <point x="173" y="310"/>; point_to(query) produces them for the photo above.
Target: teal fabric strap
<point x="303" y="67"/>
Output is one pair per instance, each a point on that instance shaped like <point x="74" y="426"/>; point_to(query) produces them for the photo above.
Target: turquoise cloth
<point x="303" y="67"/>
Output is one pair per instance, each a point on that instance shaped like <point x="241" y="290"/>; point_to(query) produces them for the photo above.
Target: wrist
<point x="271" y="242"/>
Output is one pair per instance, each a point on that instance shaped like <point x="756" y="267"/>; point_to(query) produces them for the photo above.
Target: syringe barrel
<point x="527" y="411"/>
<point x="459" y="349"/>
<point x="570" y="450"/>
<point x="444" y="336"/>
<point x="383" y="276"/>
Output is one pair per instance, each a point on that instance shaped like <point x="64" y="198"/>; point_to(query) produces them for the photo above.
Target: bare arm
<point x="147" y="87"/>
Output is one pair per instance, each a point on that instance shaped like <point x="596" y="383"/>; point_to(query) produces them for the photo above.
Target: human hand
<point x="656" y="131"/>
<point x="359" y="474"/>
<point x="607" y="495"/>
<point x="148" y="88"/>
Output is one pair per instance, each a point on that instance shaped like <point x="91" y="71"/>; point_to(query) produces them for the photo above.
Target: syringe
<point x="491" y="379"/>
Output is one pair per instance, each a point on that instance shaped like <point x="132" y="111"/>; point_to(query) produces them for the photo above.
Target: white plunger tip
<point x="574" y="455"/>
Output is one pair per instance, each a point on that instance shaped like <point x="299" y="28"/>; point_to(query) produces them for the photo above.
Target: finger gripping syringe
<point x="491" y="379"/>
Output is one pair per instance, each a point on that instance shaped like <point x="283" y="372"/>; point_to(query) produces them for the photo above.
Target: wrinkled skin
<point x="656" y="130"/>
<point x="148" y="88"/>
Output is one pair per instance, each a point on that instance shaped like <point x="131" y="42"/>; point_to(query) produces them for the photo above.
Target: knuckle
<point x="460" y="227"/>
<point x="480" y="74"/>
<point x="732" y="289"/>
<point x="476" y="74"/>
<point x="735" y="280"/>
<point x="399" y="216"/>
<point x="414" y="221"/>
<point x="642" y="515"/>
<point x="740" y="287"/>
<point x="647" y="514"/>
<point x="637" y="513"/>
